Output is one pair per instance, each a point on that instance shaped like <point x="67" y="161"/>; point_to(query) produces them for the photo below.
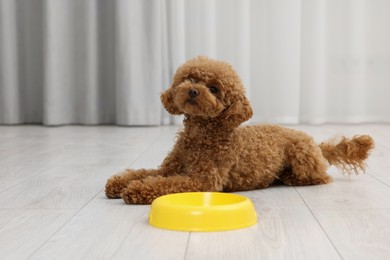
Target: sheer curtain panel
<point x="106" y="62"/>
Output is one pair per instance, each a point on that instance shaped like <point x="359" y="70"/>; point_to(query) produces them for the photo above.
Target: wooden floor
<point x="52" y="204"/>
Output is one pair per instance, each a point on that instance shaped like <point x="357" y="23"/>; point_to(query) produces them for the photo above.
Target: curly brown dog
<point x="212" y="153"/>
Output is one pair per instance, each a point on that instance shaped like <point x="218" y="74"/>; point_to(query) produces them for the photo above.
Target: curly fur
<point x="212" y="153"/>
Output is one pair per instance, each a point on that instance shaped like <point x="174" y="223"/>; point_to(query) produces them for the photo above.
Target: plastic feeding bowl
<point x="202" y="211"/>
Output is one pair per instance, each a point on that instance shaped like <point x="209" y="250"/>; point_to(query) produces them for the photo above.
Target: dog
<point x="214" y="153"/>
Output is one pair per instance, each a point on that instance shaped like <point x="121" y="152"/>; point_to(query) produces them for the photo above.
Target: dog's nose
<point x="193" y="93"/>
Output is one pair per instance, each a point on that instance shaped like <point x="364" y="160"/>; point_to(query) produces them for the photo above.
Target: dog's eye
<point x="213" y="89"/>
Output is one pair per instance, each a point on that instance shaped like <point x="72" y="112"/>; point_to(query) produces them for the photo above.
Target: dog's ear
<point x="167" y="100"/>
<point x="237" y="112"/>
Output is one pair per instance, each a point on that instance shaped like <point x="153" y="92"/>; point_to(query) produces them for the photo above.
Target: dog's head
<point x="210" y="89"/>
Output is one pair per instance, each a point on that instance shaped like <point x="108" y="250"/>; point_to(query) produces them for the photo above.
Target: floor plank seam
<point x="123" y="240"/>
<point x="379" y="180"/>
<point x="323" y="230"/>
<point x="60" y="228"/>
<point x="45" y="242"/>
<point x="40" y="173"/>
<point x="146" y="149"/>
<point x="187" y="245"/>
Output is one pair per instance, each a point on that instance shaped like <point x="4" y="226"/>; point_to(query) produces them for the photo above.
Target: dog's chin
<point x="193" y="108"/>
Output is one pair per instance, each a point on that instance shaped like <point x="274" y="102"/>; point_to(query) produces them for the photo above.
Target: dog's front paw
<point x="114" y="187"/>
<point x="138" y="192"/>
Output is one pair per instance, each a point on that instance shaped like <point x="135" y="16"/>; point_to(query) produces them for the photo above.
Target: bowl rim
<point x="165" y="198"/>
<point x="245" y="204"/>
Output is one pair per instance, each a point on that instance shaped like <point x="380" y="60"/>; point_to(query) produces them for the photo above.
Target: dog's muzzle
<point x="193" y="93"/>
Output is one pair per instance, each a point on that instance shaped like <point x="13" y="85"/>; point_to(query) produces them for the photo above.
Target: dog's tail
<point x="348" y="154"/>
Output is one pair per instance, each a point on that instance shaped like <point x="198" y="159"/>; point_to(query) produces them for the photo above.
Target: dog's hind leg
<point x="306" y="164"/>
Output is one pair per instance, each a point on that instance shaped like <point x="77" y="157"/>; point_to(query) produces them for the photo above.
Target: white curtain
<point x="106" y="62"/>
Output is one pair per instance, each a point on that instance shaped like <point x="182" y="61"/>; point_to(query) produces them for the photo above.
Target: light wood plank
<point x="55" y="146"/>
<point x="280" y="234"/>
<point x="66" y="187"/>
<point x="379" y="161"/>
<point x="13" y="174"/>
<point x="65" y="167"/>
<point x="110" y="229"/>
<point x="16" y="141"/>
<point x="358" y="234"/>
<point x="23" y="231"/>
<point x="285" y="229"/>
<point x="347" y="192"/>
<point x="72" y="184"/>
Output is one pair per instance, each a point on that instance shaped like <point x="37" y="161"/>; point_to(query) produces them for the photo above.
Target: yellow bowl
<point x="202" y="211"/>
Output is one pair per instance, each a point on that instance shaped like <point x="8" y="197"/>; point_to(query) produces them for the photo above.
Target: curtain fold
<point x="79" y="62"/>
<point x="106" y="62"/>
<point x="139" y="61"/>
